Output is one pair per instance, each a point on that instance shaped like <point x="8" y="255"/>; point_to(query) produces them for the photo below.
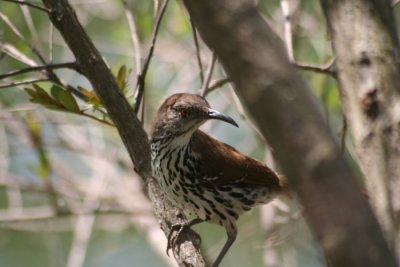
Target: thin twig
<point x="134" y="36"/>
<point x="324" y="69"/>
<point x="96" y="119"/>
<point x="70" y="65"/>
<point x="51" y="40"/>
<point x="209" y="73"/>
<point x="217" y="84"/>
<point x="29" y="22"/>
<point x="287" y="28"/>
<point x="47" y="213"/>
<point x="28" y="4"/>
<point x="13" y="28"/>
<point x="142" y="76"/>
<point x="85" y="223"/>
<point x="81" y="238"/>
<point x="156" y="7"/>
<point x="12" y="49"/>
<point x="14" y="195"/>
<point x="13" y="52"/>
<point x="12" y="84"/>
<point x="196" y="43"/>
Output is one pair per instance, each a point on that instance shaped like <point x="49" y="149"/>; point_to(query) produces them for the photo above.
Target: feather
<point x="223" y="164"/>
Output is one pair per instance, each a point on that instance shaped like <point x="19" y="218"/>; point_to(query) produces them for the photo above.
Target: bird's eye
<point x="184" y="112"/>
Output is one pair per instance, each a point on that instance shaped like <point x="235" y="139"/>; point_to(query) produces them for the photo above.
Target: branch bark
<point x="132" y="133"/>
<point x="287" y="114"/>
<point x="368" y="66"/>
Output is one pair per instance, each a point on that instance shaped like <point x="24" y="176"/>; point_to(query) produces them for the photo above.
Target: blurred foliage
<point x="42" y="151"/>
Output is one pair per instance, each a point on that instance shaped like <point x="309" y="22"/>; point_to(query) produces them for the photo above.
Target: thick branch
<point x="368" y="63"/>
<point x="134" y="137"/>
<point x="286" y="112"/>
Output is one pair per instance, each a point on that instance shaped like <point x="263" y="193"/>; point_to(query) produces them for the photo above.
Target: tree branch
<point x="369" y="82"/>
<point x="328" y="68"/>
<point x="283" y="108"/>
<point x="198" y="56"/>
<point x="69" y="65"/>
<point x="209" y="74"/>
<point x="17" y="83"/>
<point x="140" y="86"/>
<point x="132" y="134"/>
<point x="217" y="84"/>
<point x="96" y="119"/>
<point x="287" y="25"/>
<point x="134" y="36"/>
<point x="27" y="4"/>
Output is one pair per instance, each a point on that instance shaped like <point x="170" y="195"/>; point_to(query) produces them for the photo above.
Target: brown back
<point x="228" y="165"/>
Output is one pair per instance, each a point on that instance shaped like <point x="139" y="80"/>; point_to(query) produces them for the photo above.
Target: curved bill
<point x="214" y="114"/>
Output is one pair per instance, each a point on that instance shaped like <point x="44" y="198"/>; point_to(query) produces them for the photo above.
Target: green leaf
<point x="31" y="92"/>
<point x="55" y="91"/>
<point x="92" y="97"/>
<point x="121" y="77"/>
<point x="47" y="104"/>
<point x="40" y="96"/>
<point x="65" y="98"/>
<point x="41" y="93"/>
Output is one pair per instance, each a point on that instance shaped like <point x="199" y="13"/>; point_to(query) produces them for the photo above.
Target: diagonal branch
<point x="140" y="86"/>
<point x="284" y="109"/>
<point x="134" y="36"/>
<point x="198" y="57"/>
<point x="206" y="82"/>
<point x="132" y="134"/>
<point x="217" y="84"/>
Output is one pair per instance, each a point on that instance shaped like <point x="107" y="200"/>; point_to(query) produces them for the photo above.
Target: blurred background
<point x="68" y="195"/>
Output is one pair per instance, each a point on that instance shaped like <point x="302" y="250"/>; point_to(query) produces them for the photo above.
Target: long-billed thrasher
<point x="207" y="179"/>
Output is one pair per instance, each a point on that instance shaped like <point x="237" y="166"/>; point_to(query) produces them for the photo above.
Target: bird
<point x="208" y="180"/>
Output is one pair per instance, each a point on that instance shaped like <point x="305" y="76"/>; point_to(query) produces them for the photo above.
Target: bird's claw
<point x="172" y="240"/>
<point x="178" y="228"/>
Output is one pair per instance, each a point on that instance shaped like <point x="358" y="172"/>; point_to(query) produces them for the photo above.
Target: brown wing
<point x="224" y="165"/>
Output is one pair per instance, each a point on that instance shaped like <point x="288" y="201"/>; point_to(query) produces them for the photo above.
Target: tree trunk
<point x="367" y="57"/>
<point x="287" y="114"/>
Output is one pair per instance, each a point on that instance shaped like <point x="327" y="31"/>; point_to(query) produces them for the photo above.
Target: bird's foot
<point x="179" y="228"/>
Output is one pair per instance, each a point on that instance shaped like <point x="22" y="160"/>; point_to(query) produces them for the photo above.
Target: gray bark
<point x="286" y="113"/>
<point x="367" y="54"/>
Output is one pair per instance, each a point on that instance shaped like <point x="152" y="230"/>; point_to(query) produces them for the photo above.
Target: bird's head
<point x="184" y="113"/>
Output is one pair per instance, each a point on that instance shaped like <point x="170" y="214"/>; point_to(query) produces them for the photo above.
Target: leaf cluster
<point x="59" y="98"/>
